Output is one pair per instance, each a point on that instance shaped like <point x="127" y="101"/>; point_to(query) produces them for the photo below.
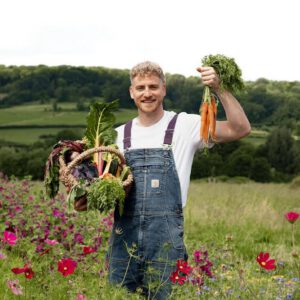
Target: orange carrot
<point x="212" y="110"/>
<point x="214" y="103"/>
<point x="204" y="124"/>
<point x="206" y="132"/>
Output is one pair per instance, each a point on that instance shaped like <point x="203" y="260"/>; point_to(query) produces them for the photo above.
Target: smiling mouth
<point x="148" y="101"/>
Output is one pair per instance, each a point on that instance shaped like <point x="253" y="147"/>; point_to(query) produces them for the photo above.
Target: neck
<point x="149" y="119"/>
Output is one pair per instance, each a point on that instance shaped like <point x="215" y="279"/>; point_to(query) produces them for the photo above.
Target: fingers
<point x="206" y="71"/>
<point x="80" y="204"/>
<point x="209" y="76"/>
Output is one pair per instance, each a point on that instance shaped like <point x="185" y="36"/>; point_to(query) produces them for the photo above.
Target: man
<point x="159" y="147"/>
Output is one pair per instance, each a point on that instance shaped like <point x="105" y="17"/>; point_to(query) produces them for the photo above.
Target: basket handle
<point x="91" y="151"/>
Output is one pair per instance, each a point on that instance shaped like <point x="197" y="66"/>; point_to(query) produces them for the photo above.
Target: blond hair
<point x="147" y="68"/>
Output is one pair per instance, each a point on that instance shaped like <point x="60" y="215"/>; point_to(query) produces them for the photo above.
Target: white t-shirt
<point x="186" y="140"/>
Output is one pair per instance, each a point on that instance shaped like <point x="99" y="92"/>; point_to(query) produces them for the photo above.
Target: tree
<point x="239" y="165"/>
<point x="206" y="165"/>
<point x="260" y="170"/>
<point x="279" y="148"/>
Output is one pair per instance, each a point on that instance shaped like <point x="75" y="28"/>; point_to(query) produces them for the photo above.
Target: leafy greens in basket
<point x="105" y="190"/>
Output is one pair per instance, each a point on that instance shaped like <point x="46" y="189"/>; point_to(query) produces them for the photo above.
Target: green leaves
<point x="100" y="121"/>
<point x="52" y="181"/>
<point x="105" y="193"/>
<point x="228" y="71"/>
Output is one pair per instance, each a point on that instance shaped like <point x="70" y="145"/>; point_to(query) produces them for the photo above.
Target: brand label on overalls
<point x="155" y="183"/>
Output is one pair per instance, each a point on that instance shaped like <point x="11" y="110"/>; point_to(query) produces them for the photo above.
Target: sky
<point x="261" y="35"/>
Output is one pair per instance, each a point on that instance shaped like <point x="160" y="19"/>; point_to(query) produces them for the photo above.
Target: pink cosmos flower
<point x="66" y="266"/>
<point x="81" y="297"/>
<point x="9" y="238"/>
<point x="2" y="256"/>
<point x="15" y="287"/>
<point x="292" y="216"/>
<point x="17" y="209"/>
<point x="200" y="256"/>
<point x="51" y="242"/>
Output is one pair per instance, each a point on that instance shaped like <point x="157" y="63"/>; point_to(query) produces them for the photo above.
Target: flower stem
<point x="293" y="236"/>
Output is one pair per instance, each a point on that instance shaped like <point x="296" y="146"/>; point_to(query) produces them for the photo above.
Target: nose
<point x="147" y="92"/>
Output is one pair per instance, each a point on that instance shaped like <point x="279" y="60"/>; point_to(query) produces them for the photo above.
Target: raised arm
<point x="237" y="124"/>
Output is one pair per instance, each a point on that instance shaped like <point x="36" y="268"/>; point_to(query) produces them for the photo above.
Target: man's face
<point x="148" y="93"/>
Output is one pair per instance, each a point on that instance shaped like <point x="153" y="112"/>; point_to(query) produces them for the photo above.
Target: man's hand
<point x="210" y="78"/>
<point x="80" y="204"/>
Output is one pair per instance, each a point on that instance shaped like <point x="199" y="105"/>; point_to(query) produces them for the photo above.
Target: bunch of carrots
<point x="230" y="77"/>
<point x="208" y="112"/>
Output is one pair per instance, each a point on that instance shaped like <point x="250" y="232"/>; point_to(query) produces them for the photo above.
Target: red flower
<point x="183" y="267"/>
<point x="175" y="277"/>
<point x="28" y="271"/>
<point x="66" y="266"/>
<point x="265" y="262"/>
<point x="88" y="250"/>
<point x="292" y="216"/>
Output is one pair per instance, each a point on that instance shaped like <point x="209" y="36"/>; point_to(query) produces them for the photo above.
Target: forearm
<point x="237" y="124"/>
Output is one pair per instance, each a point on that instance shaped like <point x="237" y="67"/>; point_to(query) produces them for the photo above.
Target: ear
<point x="131" y="92"/>
<point x="165" y="89"/>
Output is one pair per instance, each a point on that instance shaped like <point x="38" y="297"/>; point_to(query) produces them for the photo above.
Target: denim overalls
<point x="148" y="238"/>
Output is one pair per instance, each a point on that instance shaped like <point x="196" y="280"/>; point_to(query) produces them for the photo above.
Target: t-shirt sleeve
<point x="192" y="129"/>
<point x="119" y="139"/>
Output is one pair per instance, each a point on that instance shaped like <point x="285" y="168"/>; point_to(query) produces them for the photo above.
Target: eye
<point x="139" y="88"/>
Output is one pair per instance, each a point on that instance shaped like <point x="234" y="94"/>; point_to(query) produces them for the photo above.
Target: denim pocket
<point x="175" y="227"/>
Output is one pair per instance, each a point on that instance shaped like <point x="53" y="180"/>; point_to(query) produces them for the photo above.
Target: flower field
<point x="242" y="240"/>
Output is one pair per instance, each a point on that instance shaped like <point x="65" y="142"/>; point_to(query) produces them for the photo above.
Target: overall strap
<point x="167" y="139"/>
<point x="127" y="135"/>
<point x="170" y="131"/>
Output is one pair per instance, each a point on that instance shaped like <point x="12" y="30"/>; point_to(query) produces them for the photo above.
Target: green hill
<point x="24" y="124"/>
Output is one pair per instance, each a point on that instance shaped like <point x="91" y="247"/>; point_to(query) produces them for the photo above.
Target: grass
<point x="252" y="213"/>
<point x="233" y="222"/>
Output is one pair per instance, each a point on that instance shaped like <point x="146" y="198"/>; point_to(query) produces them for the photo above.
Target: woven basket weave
<point x="69" y="180"/>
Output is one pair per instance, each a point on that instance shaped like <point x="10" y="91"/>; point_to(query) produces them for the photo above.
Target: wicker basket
<point x="69" y="180"/>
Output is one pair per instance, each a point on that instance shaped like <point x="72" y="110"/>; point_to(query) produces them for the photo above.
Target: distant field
<point x="28" y="136"/>
<point x="42" y="115"/>
<point x="257" y="137"/>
